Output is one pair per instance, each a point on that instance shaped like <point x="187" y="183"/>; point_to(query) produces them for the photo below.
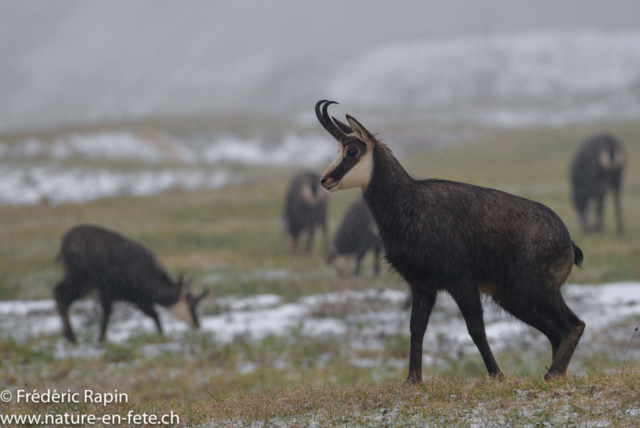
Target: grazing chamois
<point x="355" y="237"/>
<point x="305" y="207"/>
<point x="466" y="240"/>
<point x="95" y="258"/>
<point x="597" y="168"/>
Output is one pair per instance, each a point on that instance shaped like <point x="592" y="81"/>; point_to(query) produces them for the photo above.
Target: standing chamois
<point x="597" y="168"/>
<point x="305" y="207"/>
<point x="463" y="239"/>
<point x="119" y="269"/>
<point x="355" y="237"/>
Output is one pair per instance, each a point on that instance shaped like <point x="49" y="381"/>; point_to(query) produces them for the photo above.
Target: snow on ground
<point x="33" y="171"/>
<point x="26" y="185"/>
<point x="289" y="148"/>
<point x="514" y="80"/>
<point x="365" y="318"/>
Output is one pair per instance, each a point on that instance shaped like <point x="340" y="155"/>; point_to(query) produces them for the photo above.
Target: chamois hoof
<point x="413" y="380"/>
<point x="497" y="375"/>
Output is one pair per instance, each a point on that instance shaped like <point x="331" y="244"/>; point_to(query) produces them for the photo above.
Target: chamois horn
<point x="326" y="122"/>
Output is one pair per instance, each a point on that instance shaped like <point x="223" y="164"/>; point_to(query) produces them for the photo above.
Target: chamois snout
<point x="328" y="183"/>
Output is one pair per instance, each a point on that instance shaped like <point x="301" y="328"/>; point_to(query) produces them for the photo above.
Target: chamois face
<point x="351" y="168"/>
<point x="185" y="308"/>
<point x="354" y="164"/>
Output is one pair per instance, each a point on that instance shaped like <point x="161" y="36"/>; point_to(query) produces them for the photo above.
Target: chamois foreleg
<point x="422" y="304"/>
<point x="149" y="310"/>
<point x="468" y="299"/>
<point x="617" y="201"/>
<point x="599" y="224"/>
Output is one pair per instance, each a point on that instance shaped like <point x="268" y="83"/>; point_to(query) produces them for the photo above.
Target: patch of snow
<point x="34" y="184"/>
<point x="252" y="302"/>
<point x="505" y="80"/>
<point x="290" y="148"/>
<point x="378" y="315"/>
<point x="318" y="327"/>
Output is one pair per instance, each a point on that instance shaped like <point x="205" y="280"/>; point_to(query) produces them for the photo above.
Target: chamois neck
<point x="388" y="176"/>
<point x="389" y="183"/>
<point x="167" y="292"/>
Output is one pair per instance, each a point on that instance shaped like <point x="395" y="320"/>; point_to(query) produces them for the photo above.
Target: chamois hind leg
<point x="554" y="319"/>
<point x="524" y="309"/>
<point x="422" y="304"/>
<point x="470" y="304"/>
<point x="376" y="260"/>
<point x="309" y="245"/>
<point x="106" y="313"/>
<point x="572" y="329"/>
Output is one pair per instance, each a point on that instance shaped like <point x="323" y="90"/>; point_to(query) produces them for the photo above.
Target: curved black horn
<point x="325" y="120"/>
<point x="343" y="126"/>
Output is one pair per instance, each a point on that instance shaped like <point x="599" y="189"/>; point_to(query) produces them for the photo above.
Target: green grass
<point x="226" y="237"/>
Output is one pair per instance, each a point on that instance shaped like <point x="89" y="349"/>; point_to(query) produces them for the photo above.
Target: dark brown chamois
<point x="597" y="168"/>
<point x="355" y="237"/>
<point x="463" y="239"/>
<point x="95" y="258"/>
<point x="305" y="207"/>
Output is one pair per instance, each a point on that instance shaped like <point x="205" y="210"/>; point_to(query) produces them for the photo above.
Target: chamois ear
<point x="361" y="132"/>
<point x="343" y="126"/>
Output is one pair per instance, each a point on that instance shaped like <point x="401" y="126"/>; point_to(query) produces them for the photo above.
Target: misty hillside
<point x="68" y="62"/>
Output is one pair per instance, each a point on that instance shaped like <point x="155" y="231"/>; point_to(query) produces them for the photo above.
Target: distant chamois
<point x="305" y="207"/>
<point x="466" y="240"/>
<point x="597" y="168"/>
<point x="355" y="237"/>
<point x="95" y="258"/>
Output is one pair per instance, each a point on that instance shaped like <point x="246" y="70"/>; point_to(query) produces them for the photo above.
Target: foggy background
<point x="491" y="62"/>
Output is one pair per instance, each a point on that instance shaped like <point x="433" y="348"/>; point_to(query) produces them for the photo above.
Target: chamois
<point x="355" y="237"/>
<point x="305" y="208"/>
<point x="597" y="168"/>
<point x="120" y="270"/>
<point x="466" y="240"/>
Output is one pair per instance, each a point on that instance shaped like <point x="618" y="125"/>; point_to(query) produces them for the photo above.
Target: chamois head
<point x="185" y="308"/>
<point x="354" y="165"/>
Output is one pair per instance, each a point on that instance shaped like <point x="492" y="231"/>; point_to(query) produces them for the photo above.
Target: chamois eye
<point x="352" y="153"/>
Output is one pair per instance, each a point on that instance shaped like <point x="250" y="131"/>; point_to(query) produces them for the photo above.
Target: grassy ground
<point x="597" y="399"/>
<point x="235" y="230"/>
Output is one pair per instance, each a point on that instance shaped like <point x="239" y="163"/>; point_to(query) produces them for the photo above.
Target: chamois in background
<point x="305" y="208"/>
<point x="95" y="258"/>
<point x="466" y="240"/>
<point x="597" y="168"/>
<point x="355" y="237"/>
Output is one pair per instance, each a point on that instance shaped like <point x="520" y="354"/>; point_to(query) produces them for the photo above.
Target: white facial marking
<point x="605" y="159"/>
<point x="359" y="175"/>
<point x="180" y="310"/>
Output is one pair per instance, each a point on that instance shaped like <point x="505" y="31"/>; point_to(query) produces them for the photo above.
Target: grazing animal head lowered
<point x="185" y="308"/>
<point x="120" y="270"/>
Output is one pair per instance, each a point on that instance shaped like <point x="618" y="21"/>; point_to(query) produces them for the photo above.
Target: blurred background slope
<point x="73" y="62"/>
